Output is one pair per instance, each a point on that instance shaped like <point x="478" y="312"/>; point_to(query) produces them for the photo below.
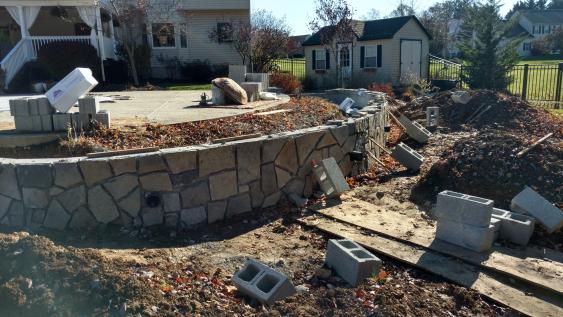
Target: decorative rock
<point x="38" y="217"/>
<point x="95" y="171"/>
<point x="248" y="158"/>
<point x="35" y="198"/>
<point x="243" y="189"/>
<point x="81" y="219"/>
<point x="282" y="176"/>
<point x="122" y="185"/>
<point x="216" y="211"/>
<point x="67" y="175"/>
<point x="152" y="216"/>
<point x="156" y="182"/>
<point x="327" y="140"/>
<point x="269" y="184"/>
<point x="151" y="163"/>
<point x="216" y="159"/>
<point x="195" y="196"/>
<point x="101" y="205"/>
<point x="193" y="217"/>
<point x="132" y="203"/>
<point x="171" y="202"/>
<point x="271" y="148"/>
<point x="73" y="198"/>
<point x="15" y="217"/>
<point x="223" y="185"/>
<point x="9" y="182"/>
<point x="123" y="165"/>
<point x="238" y="205"/>
<point x="340" y="133"/>
<point x="287" y="158"/>
<point x="179" y="162"/>
<point x="57" y="217"/>
<point x="256" y="194"/>
<point x="306" y="144"/>
<point x="37" y="176"/>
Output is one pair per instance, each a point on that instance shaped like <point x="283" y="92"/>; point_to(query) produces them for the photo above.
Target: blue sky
<point x="299" y="12"/>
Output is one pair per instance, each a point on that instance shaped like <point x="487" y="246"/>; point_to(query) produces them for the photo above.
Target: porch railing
<point x="40" y="41"/>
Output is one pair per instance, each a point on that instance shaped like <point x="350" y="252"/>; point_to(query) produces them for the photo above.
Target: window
<point x="183" y="35"/>
<point x="527" y="46"/>
<point x="320" y="62"/>
<point x="370" y="59"/>
<point x="344" y="57"/>
<point x="163" y="35"/>
<point x="225" y="32"/>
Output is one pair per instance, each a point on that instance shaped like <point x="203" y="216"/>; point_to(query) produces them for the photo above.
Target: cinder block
<point x="33" y="106"/>
<point x="237" y="73"/>
<point x="531" y="203"/>
<point x="252" y="89"/>
<point x="44" y="106"/>
<point x="103" y="117"/>
<point x="23" y="124"/>
<point x="263" y="78"/>
<point x="37" y="123"/>
<point x="46" y="123"/>
<point x="62" y="121"/>
<point x="88" y="105"/>
<point x="476" y="238"/>
<point x="259" y="281"/>
<point x="330" y="178"/>
<point x="463" y="208"/>
<point x="415" y="130"/>
<point x="516" y="228"/>
<point x="19" y="107"/>
<point x="432" y="116"/>
<point x="351" y="261"/>
<point x="496" y="223"/>
<point x="218" y="96"/>
<point x="407" y="156"/>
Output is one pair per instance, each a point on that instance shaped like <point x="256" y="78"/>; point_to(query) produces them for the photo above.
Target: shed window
<point x="163" y="35"/>
<point x="370" y="59"/>
<point x="320" y="61"/>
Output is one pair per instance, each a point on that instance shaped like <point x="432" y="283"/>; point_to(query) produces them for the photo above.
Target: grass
<point x="184" y="86"/>
<point x="294" y="66"/>
<point x="543" y="60"/>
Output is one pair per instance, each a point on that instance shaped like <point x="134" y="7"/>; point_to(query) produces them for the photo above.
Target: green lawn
<point x="542" y="60"/>
<point x="183" y="86"/>
<point x="294" y="66"/>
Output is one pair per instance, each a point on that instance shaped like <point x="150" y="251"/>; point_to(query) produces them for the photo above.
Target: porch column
<point x="23" y="23"/>
<point x="101" y="45"/>
<point x="112" y="33"/>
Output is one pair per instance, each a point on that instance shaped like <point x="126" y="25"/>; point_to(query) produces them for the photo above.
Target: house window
<point x="527" y="46"/>
<point x="183" y="35"/>
<point x="344" y="57"/>
<point x="370" y="59"/>
<point x="320" y="62"/>
<point x="225" y="32"/>
<point x="163" y="35"/>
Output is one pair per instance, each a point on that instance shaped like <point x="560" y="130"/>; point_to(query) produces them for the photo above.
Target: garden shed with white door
<point x="393" y="51"/>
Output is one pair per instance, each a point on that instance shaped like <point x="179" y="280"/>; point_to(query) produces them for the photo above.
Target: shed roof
<point x="544" y="16"/>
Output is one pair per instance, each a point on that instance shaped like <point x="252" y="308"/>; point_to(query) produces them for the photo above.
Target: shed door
<point x="411" y="52"/>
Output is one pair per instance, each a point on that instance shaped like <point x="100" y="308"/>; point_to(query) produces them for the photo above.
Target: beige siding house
<point x="391" y="51"/>
<point x="184" y="34"/>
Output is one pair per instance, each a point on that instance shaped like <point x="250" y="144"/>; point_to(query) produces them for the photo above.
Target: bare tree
<point x="333" y="22"/>
<point x="373" y="14"/>
<point x="404" y="8"/>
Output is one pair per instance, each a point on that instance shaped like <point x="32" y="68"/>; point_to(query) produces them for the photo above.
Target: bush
<point x="200" y="71"/>
<point x="385" y="88"/>
<point x="116" y="71"/>
<point x="59" y="58"/>
<point x="288" y="83"/>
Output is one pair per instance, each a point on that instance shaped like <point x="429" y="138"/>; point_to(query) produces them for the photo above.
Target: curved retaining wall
<point x="181" y="187"/>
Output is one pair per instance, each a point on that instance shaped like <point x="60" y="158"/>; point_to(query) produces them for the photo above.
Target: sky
<point x="298" y="13"/>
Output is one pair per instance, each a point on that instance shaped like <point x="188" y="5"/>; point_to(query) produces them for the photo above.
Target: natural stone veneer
<point x="176" y="188"/>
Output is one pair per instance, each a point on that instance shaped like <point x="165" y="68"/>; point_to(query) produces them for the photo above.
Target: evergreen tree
<point x="487" y="52"/>
<point x="555" y="4"/>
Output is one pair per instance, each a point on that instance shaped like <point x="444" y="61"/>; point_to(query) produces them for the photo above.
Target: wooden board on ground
<point x="409" y="226"/>
<point x="267" y="113"/>
<point x="525" y="298"/>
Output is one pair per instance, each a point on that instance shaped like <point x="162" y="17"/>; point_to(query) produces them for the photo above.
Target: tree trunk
<point x="133" y="64"/>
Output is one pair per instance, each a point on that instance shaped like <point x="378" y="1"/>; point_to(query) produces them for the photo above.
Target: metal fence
<point x="537" y="83"/>
<point x="295" y="66"/>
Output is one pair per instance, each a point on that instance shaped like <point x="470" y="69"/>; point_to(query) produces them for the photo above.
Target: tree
<point x="555" y="4"/>
<point x="485" y="48"/>
<point x="404" y="8"/>
<point x="372" y="14"/>
<point x="259" y="41"/>
<point x="333" y="22"/>
<point x="555" y="40"/>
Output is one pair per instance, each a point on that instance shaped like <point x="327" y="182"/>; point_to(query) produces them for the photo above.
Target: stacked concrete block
<point x="432" y="116"/>
<point x="263" y="78"/>
<point x="253" y="90"/>
<point x="62" y="121"/>
<point x="103" y="117"/>
<point x="32" y="114"/>
<point x="515" y="228"/>
<point x="88" y="105"/>
<point x="330" y="178"/>
<point x="531" y="203"/>
<point x="415" y="130"/>
<point x="237" y="73"/>
<point x="351" y="261"/>
<point x="262" y="283"/>
<point x="407" y="156"/>
<point x="465" y="220"/>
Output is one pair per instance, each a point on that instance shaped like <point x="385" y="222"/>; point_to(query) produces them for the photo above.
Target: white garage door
<point x="411" y="52"/>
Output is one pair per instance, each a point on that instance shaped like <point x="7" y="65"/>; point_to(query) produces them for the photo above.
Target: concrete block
<point x="432" y="117"/>
<point x="259" y="281"/>
<point x="466" y="209"/>
<point x="407" y="156"/>
<point x="415" y="130"/>
<point x="24" y="124"/>
<point x="237" y="73"/>
<point x="476" y="238"/>
<point x="252" y="89"/>
<point x="516" y="228"/>
<point x="263" y="78"/>
<point x="33" y="106"/>
<point x="46" y="123"/>
<point x="44" y="106"/>
<point x="496" y="223"/>
<point x="62" y="121"/>
<point x="88" y="105"/>
<point x="330" y="178"/>
<point x="103" y="117"/>
<point x="19" y="107"/>
<point x="531" y="203"/>
<point x="351" y="261"/>
<point x="218" y="97"/>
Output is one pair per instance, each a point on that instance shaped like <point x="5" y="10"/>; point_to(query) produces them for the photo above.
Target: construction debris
<point x="531" y="203"/>
<point x="415" y="130"/>
<point x="351" y="261"/>
<point x="515" y="228"/>
<point x="407" y="156"/>
<point x="432" y="117"/>
<point x="67" y="91"/>
<point x="462" y="97"/>
<point x="330" y="178"/>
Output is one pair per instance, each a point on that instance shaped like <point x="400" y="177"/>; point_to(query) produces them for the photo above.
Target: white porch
<point x="28" y="25"/>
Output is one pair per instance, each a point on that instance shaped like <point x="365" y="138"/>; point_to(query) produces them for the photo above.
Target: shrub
<point x="59" y="58"/>
<point x="116" y="71"/>
<point x="385" y="88"/>
<point x="200" y="71"/>
<point x="288" y="83"/>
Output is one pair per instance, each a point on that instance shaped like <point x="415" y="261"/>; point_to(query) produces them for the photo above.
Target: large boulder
<point x="232" y="90"/>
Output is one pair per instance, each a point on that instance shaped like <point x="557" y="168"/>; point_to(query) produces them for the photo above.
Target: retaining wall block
<point x="95" y="171"/>
<point x="19" y="107"/>
<point x="237" y="73"/>
<point x="351" y="261"/>
<point x="62" y="121"/>
<point x="330" y="178"/>
<point x="44" y="106"/>
<point x="464" y="208"/>
<point x="194" y="217"/>
<point x="407" y="156"/>
<point x="88" y="105"/>
<point x="516" y="228"/>
<point x="9" y="182"/>
<point x="238" y="205"/>
<point x="262" y="283"/>
<point x="24" y="124"/>
<point x="253" y="90"/>
<point x="248" y="162"/>
<point x="180" y="160"/>
<point x="152" y="216"/>
<point x="33" y="106"/>
<point x="215" y="159"/>
<point x="151" y="163"/>
<point x="476" y="238"/>
<point x="104" y="118"/>
<point x="156" y="182"/>
<point x="531" y="203"/>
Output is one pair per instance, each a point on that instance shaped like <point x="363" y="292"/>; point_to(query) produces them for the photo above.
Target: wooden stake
<point x="533" y="146"/>
<point x="380" y="146"/>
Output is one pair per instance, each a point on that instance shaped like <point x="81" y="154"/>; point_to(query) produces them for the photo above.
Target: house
<point x="393" y="50"/>
<point x="537" y="24"/>
<point x="178" y="32"/>
<point x="295" y="46"/>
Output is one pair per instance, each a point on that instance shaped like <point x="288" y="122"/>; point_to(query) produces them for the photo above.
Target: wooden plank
<point x="267" y="113"/>
<point x="522" y="297"/>
<point x="121" y="152"/>
<point x="409" y="226"/>
<point x="237" y="138"/>
<point x="533" y="146"/>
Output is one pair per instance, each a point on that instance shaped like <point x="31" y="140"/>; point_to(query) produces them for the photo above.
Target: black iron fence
<point x="538" y="83"/>
<point x="295" y="66"/>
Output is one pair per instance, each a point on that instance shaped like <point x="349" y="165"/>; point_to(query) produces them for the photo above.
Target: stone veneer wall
<point x="196" y="185"/>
